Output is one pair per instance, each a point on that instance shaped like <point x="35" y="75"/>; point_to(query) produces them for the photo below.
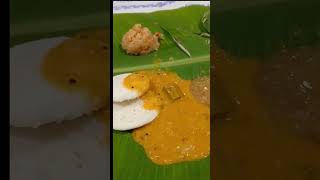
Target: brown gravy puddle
<point x="263" y="129"/>
<point x="291" y="78"/>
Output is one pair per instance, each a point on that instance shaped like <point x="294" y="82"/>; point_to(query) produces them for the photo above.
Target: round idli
<point x="131" y="114"/>
<point x="138" y="85"/>
<point x="33" y="100"/>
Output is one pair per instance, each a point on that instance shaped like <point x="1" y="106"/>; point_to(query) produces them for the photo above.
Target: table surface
<point x="151" y="6"/>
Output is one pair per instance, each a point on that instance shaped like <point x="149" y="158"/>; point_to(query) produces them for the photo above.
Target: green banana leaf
<point x="129" y="159"/>
<point x="260" y="28"/>
<point x="183" y="23"/>
<point x="31" y="20"/>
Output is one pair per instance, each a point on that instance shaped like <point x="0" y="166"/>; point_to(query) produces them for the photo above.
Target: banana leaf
<point x="183" y="23"/>
<point x="31" y="20"/>
<point x="129" y="159"/>
<point x="260" y="28"/>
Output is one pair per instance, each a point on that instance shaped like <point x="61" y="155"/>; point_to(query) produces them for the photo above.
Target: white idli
<point x="122" y="93"/>
<point x="131" y="114"/>
<point x="33" y="100"/>
<point x="72" y="150"/>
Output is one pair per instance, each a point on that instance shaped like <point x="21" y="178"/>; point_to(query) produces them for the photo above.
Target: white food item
<point x="120" y="92"/>
<point x="131" y="114"/>
<point x="71" y="150"/>
<point x="33" y="100"/>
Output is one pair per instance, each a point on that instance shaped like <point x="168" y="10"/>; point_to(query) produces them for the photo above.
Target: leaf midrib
<point x="167" y="64"/>
<point x="57" y="24"/>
